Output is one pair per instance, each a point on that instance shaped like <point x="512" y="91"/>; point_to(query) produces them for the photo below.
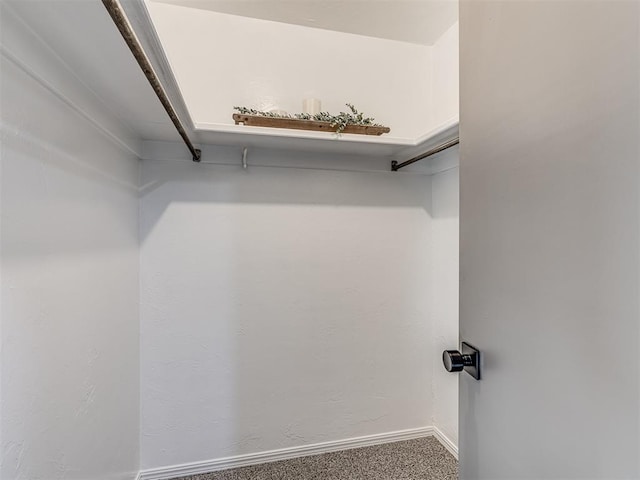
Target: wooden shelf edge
<point x="311" y="125"/>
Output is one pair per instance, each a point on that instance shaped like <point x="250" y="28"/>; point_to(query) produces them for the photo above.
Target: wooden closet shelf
<point x="296" y="124"/>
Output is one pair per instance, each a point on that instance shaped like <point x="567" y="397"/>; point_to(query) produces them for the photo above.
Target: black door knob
<point x="467" y="360"/>
<point x="454" y="361"/>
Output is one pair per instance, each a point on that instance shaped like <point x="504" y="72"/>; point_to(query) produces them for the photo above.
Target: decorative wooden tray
<point x="259" y="121"/>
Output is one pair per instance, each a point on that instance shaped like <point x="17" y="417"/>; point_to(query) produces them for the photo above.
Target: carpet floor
<point x="421" y="459"/>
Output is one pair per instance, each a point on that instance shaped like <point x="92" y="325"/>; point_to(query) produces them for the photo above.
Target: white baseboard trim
<point x="446" y="442"/>
<point x="166" y="473"/>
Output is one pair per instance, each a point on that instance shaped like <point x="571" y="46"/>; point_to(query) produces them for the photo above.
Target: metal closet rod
<point x="119" y="18"/>
<point x="395" y="166"/>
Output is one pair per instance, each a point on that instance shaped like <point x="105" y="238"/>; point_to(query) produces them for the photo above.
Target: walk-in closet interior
<point x="287" y="293"/>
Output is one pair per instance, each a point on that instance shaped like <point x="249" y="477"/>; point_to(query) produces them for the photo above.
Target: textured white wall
<point x="445" y="209"/>
<point x="281" y="307"/>
<point x="445" y="232"/>
<point x="446" y="76"/>
<point x="69" y="290"/>
<point x="224" y="60"/>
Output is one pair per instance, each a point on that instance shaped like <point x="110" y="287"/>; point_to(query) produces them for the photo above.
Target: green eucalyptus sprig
<point x="339" y="121"/>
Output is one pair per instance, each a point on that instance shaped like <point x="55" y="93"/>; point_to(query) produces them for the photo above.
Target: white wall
<point x="69" y="290"/>
<point x="281" y="307"/>
<point x="445" y="210"/>
<point x="224" y="60"/>
<point x="446" y="76"/>
<point x="445" y="229"/>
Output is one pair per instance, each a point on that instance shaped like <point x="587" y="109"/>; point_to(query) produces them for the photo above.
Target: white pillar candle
<point x="311" y="106"/>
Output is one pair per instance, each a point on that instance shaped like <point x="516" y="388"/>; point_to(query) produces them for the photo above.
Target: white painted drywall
<point x="281" y="307"/>
<point x="222" y="60"/>
<point x="446" y="76"/>
<point x="94" y="50"/>
<point x="420" y="22"/>
<point x="550" y="211"/>
<point x="444" y="284"/>
<point x="69" y="290"/>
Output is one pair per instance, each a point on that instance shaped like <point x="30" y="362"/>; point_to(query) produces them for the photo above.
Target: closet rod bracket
<point x="245" y="151"/>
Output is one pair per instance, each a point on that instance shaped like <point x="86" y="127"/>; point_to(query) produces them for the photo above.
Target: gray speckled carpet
<point x="421" y="459"/>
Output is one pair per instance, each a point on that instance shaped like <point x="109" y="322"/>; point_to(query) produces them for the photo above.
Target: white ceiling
<point x="415" y="21"/>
